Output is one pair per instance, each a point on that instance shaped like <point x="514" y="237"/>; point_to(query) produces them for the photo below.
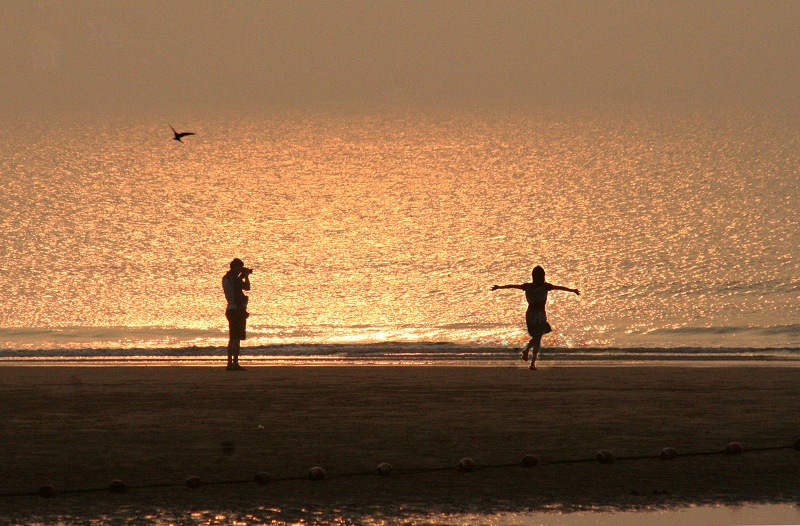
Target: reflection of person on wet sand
<point x="535" y="316"/>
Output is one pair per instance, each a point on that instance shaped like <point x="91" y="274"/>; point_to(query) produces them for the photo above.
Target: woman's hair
<point x="537" y="275"/>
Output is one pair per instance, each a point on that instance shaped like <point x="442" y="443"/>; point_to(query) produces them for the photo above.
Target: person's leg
<point x="235" y="347"/>
<point x="239" y="334"/>
<point x="231" y="337"/>
<point x="530" y="323"/>
<point x="527" y="350"/>
<point x="537" y="345"/>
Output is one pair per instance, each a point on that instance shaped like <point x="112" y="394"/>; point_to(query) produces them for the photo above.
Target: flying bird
<point x="179" y="135"/>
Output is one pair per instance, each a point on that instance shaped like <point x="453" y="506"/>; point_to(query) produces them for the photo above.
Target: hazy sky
<point x="202" y="55"/>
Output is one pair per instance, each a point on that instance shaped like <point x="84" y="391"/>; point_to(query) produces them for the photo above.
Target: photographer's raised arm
<point x="245" y="277"/>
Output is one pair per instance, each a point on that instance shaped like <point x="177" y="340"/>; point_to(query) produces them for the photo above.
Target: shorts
<point x="237" y="323"/>
<point x="537" y="323"/>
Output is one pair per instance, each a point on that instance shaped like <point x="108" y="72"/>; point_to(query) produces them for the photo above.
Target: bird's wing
<point x="173" y="129"/>
<point x="184" y="134"/>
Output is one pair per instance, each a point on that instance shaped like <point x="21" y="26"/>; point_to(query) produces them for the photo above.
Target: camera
<point x="246" y="271"/>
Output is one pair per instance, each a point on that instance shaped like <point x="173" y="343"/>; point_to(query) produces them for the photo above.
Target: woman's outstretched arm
<point x="495" y="287"/>
<point x="567" y="289"/>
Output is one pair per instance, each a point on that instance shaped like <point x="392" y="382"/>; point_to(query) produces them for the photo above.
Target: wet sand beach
<point x="79" y="428"/>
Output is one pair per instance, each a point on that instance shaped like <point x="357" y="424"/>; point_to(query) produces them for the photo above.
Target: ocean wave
<point x="407" y="352"/>
<point x="792" y="329"/>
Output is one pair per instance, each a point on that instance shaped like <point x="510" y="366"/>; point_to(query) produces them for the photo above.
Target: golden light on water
<point x="395" y="228"/>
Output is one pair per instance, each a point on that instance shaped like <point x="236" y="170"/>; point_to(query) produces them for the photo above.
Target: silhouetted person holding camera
<point x="535" y="316"/>
<point x="234" y="283"/>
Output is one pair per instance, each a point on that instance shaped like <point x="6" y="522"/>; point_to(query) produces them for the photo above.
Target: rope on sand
<point x="464" y="465"/>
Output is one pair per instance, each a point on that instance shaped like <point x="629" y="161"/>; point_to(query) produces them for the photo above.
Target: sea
<point x="376" y="237"/>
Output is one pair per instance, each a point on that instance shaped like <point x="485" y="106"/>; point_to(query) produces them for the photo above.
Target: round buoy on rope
<point x="384" y="469"/>
<point x="118" y="486"/>
<point x="47" y="492"/>
<point x="605" y="456"/>
<point x="668" y="453"/>
<point x="194" y="482"/>
<point x="316" y="473"/>
<point x="262" y="477"/>
<point x="734" y="448"/>
<point x="528" y="461"/>
<point x="466" y="465"/>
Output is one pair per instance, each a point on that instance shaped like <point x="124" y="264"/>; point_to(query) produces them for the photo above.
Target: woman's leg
<point x="527" y="350"/>
<point x="537" y="345"/>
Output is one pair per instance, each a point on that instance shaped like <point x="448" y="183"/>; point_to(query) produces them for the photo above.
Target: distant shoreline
<point x="312" y="362"/>
<point x="409" y="354"/>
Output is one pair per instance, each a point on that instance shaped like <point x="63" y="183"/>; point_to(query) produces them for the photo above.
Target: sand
<point x="79" y="428"/>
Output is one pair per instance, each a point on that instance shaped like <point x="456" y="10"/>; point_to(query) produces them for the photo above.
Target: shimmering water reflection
<point x="710" y="515"/>
<point x="694" y="515"/>
<point x="679" y="230"/>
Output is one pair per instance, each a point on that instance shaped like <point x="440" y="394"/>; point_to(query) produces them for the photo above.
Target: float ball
<point x="734" y="448"/>
<point x="47" y="492"/>
<point x="118" y="486"/>
<point x="466" y="465"/>
<point x="384" y="469"/>
<point x="262" y="477"/>
<point x="316" y="473"/>
<point x="605" y="456"/>
<point x="668" y="453"/>
<point x="528" y="461"/>
<point x="194" y="482"/>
